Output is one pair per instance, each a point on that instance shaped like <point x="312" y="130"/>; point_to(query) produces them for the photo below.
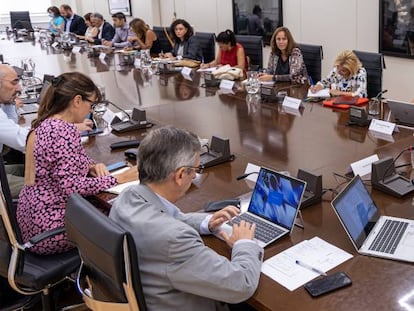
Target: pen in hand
<point x="306" y="266"/>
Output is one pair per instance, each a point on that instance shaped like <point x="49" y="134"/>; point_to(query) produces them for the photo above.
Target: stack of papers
<point x="315" y="253"/>
<point x="325" y="93"/>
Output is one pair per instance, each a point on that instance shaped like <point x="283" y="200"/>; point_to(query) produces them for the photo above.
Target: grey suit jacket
<point x="178" y="271"/>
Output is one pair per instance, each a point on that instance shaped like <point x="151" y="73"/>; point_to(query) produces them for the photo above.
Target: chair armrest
<point x="42" y="236"/>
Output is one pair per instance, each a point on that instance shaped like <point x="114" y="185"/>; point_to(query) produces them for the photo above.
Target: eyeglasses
<point x="198" y="169"/>
<point x="93" y="103"/>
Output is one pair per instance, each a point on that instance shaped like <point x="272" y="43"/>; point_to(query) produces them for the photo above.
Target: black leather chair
<point x="207" y="44"/>
<point x="374" y="64"/>
<point x="109" y="277"/>
<point x="27" y="273"/>
<point x="20" y="20"/>
<point x="162" y="37"/>
<point x="253" y="47"/>
<point x="312" y="56"/>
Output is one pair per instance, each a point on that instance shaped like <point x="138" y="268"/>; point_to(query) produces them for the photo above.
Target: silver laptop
<point x="273" y="206"/>
<point x="402" y="112"/>
<point x="370" y="233"/>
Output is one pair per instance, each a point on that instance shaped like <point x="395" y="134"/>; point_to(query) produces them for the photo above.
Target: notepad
<point x="314" y="252"/>
<point x="325" y="93"/>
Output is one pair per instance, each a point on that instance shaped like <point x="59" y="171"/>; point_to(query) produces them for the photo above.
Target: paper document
<point x="211" y="69"/>
<point x="118" y="189"/>
<point x="322" y="93"/>
<point x="315" y="253"/>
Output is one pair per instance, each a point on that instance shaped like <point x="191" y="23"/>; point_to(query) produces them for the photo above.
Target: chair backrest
<point x="312" y="56"/>
<point x="374" y="64"/>
<point x="162" y="37"/>
<point x="107" y="251"/>
<point x="207" y="44"/>
<point x="7" y="217"/>
<point x="20" y="20"/>
<point x="253" y="47"/>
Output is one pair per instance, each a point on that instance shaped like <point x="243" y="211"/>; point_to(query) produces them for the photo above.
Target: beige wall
<point x="335" y="24"/>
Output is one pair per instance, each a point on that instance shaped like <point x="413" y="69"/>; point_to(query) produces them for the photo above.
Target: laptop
<point x="273" y="206"/>
<point x="31" y="105"/>
<point x="372" y="234"/>
<point x="402" y="112"/>
<point x="345" y="100"/>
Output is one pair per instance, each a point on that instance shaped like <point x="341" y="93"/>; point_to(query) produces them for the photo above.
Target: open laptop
<point x="370" y="233"/>
<point x="273" y="206"/>
<point x="402" y="112"/>
<point x="31" y="105"/>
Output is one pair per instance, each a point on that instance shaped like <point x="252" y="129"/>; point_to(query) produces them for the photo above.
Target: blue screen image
<point x="276" y="197"/>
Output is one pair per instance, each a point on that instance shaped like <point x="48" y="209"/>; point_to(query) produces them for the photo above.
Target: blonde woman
<point x="347" y="78"/>
<point x="145" y="38"/>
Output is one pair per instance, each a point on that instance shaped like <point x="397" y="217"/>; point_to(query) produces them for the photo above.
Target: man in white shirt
<point x="11" y="134"/>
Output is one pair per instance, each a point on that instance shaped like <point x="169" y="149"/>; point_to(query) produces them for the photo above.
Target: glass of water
<point x="252" y="83"/>
<point x="146" y="61"/>
<point x="98" y="117"/>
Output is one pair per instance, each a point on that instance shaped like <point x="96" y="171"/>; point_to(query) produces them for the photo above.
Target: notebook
<point x="31" y="105"/>
<point x="370" y="233"/>
<point x="345" y="100"/>
<point x="273" y="206"/>
<point x="402" y="112"/>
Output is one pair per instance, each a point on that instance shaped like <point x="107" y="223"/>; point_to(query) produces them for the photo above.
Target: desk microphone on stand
<point x="245" y="175"/>
<point x="385" y="178"/>
<point x="138" y="120"/>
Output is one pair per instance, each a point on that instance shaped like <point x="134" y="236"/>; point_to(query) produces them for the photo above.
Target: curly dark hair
<point x="183" y="22"/>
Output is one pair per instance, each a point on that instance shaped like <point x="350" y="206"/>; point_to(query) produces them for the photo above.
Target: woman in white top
<point x="91" y="31"/>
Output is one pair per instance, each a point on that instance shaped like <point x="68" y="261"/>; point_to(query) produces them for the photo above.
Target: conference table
<point x="315" y="138"/>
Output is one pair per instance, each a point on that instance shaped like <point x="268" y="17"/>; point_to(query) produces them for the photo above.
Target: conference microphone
<point x="137" y="121"/>
<point x="108" y="102"/>
<point x="245" y="175"/>
<point x="409" y="148"/>
<point x="379" y="95"/>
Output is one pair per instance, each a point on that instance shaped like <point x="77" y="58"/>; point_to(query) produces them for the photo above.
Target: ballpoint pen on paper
<point x="311" y="81"/>
<point x="306" y="266"/>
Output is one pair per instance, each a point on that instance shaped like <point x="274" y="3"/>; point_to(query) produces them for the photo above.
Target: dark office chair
<point x="253" y="47"/>
<point x="27" y="273"/>
<point x="20" y="20"/>
<point x="109" y="277"/>
<point x="207" y="44"/>
<point x="161" y="33"/>
<point x="312" y="56"/>
<point x="374" y="64"/>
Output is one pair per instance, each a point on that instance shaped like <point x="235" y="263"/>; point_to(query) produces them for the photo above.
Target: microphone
<point x="138" y="120"/>
<point x="409" y="148"/>
<point x="108" y="102"/>
<point x="379" y="95"/>
<point x="245" y="175"/>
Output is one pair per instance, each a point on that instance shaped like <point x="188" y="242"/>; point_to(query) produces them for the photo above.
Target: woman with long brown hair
<point x="56" y="163"/>
<point x="145" y="38"/>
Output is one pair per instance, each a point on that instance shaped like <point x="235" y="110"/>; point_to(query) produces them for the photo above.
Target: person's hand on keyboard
<point x="243" y="230"/>
<point x="222" y="216"/>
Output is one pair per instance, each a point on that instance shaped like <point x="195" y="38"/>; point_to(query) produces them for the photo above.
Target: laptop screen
<point x="402" y="112"/>
<point x="277" y="197"/>
<point x="356" y="211"/>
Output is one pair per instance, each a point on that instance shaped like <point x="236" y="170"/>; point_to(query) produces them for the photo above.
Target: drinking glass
<point x="146" y="61"/>
<point x="374" y="106"/>
<point x="28" y="67"/>
<point x="98" y="113"/>
<point x="252" y="83"/>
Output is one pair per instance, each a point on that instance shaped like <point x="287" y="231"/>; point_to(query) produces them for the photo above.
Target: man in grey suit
<point x="178" y="272"/>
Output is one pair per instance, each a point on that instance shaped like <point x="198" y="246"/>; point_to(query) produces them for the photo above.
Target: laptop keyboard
<point x="265" y="232"/>
<point x="389" y="236"/>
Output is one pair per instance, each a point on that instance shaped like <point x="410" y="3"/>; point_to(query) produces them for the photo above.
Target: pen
<point x="311" y="81"/>
<point x="304" y="265"/>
